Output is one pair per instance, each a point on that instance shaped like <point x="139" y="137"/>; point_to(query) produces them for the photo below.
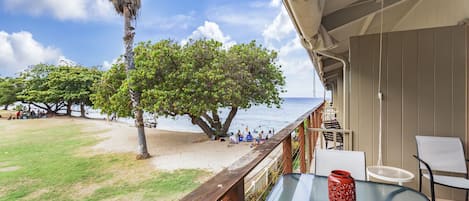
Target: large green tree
<point x="73" y="84"/>
<point x="9" y="88"/>
<point x="129" y="10"/>
<point x="111" y="94"/>
<point x="37" y="90"/>
<point x="202" y="77"/>
<point x="197" y="79"/>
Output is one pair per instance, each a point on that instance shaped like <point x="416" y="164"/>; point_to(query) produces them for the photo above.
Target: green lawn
<point x="44" y="162"/>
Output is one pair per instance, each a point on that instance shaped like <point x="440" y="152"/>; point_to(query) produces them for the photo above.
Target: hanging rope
<point x="380" y="94"/>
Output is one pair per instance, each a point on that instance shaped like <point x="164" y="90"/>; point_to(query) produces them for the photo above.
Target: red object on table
<point x="341" y="186"/>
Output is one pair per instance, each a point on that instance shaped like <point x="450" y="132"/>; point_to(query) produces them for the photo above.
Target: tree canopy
<point x="9" y="88"/>
<point x="53" y="87"/>
<point x="196" y="79"/>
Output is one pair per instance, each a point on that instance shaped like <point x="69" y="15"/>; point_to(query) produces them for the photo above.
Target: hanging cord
<point x="380" y="94"/>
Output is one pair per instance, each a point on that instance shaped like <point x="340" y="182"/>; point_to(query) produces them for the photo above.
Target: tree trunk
<point x="69" y="108"/>
<point x="142" y="141"/>
<point x="134" y="95"/>
<point x="6" y="107"/>
<point x="217" y="124"/>
<point x="203" y="125"/>
<point x="229" y="119"/>
<point x="82" y="110"/>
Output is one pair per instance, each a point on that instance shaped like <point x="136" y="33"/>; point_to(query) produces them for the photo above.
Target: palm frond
<point x="132" y="5"/>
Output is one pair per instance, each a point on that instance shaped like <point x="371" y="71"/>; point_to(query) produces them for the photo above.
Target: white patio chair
<point x="443" y="154"/>
<point x="351" y="161"/>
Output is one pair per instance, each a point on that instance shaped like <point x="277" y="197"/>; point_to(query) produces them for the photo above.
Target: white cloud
<point x="275" y="3"/>
<point x="19" y="50"/>
<point x="210" y="30"/>
<point x="251" y="18"/>
<point x="63" y="61"/>
<point x="280" y="28"/>
<point x="296" y="64"/>
<point x="64" y="10"/>
<point x="108" y="64"/>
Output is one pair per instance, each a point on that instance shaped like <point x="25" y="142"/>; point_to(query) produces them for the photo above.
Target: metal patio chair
<point x="442" y="154"/>
<point x="329" y="136"/>
<point x="351" y="161"/>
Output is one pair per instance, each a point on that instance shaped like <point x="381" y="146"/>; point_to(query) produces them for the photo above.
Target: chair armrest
<point x="427" y="166"/>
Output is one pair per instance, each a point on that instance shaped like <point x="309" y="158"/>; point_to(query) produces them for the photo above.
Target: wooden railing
<point x="228" y="185"/>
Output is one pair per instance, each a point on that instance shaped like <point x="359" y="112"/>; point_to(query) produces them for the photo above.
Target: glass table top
<point x="296" y="187"/>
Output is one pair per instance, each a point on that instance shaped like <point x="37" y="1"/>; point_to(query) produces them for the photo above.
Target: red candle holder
<point x="341" y="186"/>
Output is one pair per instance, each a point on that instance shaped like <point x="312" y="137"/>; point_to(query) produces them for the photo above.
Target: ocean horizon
<point x="257" y="118"/>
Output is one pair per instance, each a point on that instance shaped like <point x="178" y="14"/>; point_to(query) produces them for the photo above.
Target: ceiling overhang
<point x="327" y="25"/>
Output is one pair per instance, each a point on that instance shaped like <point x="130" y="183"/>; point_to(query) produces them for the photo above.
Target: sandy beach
<point x="170" y="150"/>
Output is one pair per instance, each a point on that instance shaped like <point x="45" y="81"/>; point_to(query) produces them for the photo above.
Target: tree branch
<point x="209" y="119"/>
<point x="36" y="105"/>
<point x="203" y="125"/>
<point x="229" y="119"/>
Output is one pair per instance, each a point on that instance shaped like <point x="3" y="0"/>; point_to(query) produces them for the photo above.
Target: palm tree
<point x="129" y="9"/>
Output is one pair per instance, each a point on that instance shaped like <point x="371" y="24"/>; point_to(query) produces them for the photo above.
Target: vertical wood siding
<point x="424" y="82"/>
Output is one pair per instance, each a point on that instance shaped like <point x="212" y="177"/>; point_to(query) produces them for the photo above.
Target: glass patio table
<point x="296" y="187"/>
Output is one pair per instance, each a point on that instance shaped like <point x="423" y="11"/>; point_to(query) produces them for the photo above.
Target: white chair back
<point x="442" y="153"/>
<point x="351" y="161"/>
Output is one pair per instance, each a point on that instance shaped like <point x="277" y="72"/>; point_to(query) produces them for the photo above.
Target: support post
<point x="287" y="155"/>
<point x="308" y="141"/>
<point x="301" y="139"/>
<point x="236" y="193"/>
<point x="315" y="133"/>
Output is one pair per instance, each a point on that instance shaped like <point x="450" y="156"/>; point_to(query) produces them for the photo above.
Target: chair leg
<point x="432" y="189"/>
<point x="467" y="195"/>
<point x="420" y="181"/>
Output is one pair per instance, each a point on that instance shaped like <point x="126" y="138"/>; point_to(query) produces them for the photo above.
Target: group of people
<point x="259" y="139"/>
<point x="32" y="114"/>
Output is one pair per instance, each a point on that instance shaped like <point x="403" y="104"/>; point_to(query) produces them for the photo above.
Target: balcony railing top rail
<point x="230" y="181"/>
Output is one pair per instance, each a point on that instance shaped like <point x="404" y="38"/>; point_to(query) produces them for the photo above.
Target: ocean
<point x="255" y="118"/>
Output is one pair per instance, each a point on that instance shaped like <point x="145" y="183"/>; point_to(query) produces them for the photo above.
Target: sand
<point x="171" y="150"/>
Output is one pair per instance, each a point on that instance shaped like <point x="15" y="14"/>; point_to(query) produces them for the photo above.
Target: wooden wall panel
<point x="354" y="89"/>
<point x="458" y="90"/>
<point x="425" y="93"/>
<point x="409" y="102"/>
<point x="393" y="100"/>
<point x="426" y="66"/>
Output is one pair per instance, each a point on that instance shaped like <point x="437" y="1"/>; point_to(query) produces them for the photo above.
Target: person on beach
<point x="249" y="137"/>
<point x="259" y="139"/>
<point x="269" y="135"/>
<point x="18" y="114"/>
<point x="241" y="138"/>
<point x="234" y="139"/>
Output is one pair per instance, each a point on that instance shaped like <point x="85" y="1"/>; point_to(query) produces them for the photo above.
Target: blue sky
<point x="88" y="32"/>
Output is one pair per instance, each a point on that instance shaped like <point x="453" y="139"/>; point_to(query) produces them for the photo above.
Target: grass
<point x="51" y="168"/>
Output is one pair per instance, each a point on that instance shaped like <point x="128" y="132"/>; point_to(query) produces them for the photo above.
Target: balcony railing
<point x="228" y="185"/>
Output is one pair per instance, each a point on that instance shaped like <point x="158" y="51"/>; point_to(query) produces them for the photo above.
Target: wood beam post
<point x="301" y="139"/>
<point x="236" y="193"/>
<point x="315" y="133"/>
<point x="287" y="155"/>
<point x="308" y="141"/>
